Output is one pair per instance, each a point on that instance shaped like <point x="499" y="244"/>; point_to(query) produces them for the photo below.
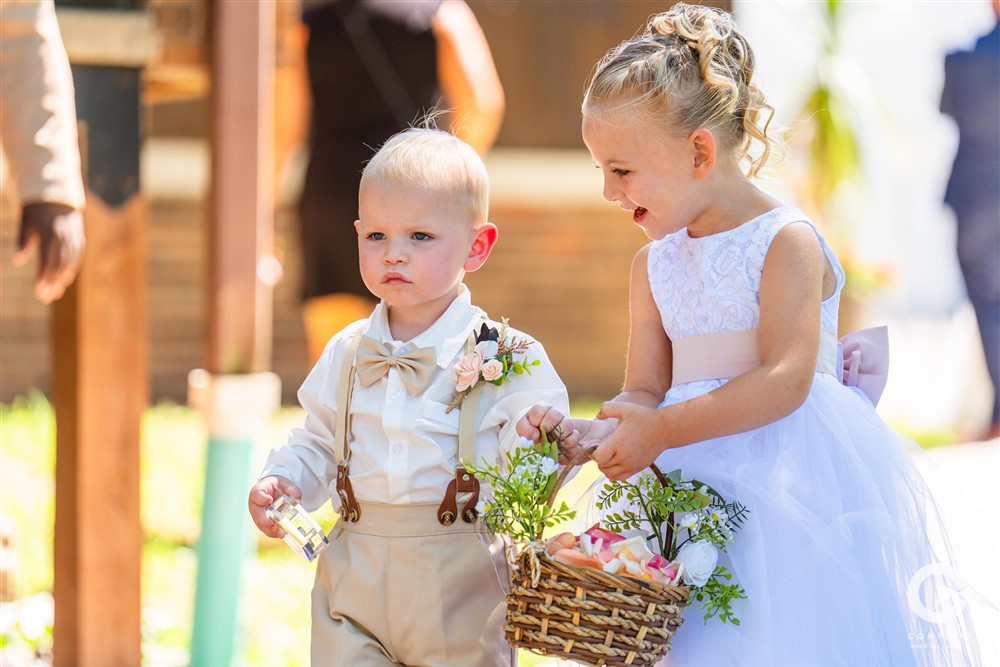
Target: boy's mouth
<point x="394" y="279"/>
<point x="638" y="214"/>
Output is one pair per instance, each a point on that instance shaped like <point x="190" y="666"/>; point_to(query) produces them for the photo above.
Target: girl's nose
<point x="612" y="192"/>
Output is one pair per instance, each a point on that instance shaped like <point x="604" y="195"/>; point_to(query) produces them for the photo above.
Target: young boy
<point x="411" y="575"/>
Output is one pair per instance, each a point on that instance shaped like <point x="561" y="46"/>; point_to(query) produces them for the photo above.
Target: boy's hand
<point x="265" y="492"/>
<point x="545" y="416"/>
<point x="542" y="416"/>
<point x="577" y="434"/>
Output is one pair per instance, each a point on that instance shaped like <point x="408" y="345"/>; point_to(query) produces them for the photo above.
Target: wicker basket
<point x="587" y="615"/>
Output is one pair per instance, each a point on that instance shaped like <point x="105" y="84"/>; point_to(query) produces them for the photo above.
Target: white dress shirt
<point x="404" y="447"/>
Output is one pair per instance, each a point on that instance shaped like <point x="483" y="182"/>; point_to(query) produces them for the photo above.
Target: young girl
<point x="733" y="376"/>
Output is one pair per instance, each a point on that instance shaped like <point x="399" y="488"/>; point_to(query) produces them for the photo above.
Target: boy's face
<point x="414" y="250"/>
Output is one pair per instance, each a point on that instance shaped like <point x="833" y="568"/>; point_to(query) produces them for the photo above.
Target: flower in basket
<point x="491" y="361"/>
<point x="600" y="598"/>
<point x="689" y="523"/>
<point x="518" y="507"/>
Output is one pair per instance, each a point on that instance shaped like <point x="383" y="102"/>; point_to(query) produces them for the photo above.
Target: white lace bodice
<point x="712" y="283"/>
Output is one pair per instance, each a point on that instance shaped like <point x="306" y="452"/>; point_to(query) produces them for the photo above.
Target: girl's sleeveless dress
<point x="837" y="534"/>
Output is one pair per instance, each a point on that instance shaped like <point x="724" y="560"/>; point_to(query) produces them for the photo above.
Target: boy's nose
<point x="393" y="255"/>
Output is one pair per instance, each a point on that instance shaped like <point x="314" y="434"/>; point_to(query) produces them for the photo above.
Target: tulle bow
<point x="863" y="361"/>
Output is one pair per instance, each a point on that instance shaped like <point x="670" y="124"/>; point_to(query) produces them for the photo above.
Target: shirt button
<point x="397" y="448"/>
<point x="394" y="394"/>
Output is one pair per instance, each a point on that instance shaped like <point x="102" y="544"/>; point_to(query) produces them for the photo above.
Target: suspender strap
<point x="465" y="481"/>
<point x="349" y="508"/>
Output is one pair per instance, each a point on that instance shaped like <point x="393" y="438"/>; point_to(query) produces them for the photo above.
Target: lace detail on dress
<point x="712" y="283"/>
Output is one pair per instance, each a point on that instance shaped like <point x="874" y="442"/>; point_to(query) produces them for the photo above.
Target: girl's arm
<point x="790" y="296"/>
<point x="647" y="375"/>
<point x="649" y="365"/>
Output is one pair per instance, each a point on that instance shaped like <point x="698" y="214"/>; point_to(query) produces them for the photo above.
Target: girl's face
<point x="413" y="250"/>
<point x="653" y="177"/>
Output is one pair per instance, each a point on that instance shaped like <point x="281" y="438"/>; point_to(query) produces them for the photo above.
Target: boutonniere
<point x="491" y="361"/>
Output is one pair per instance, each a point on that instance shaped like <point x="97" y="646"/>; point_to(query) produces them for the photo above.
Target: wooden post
<point x="242" y="214"/>
<point x="99" y="390"/>
<point x="100" y="353"/>
<point x="237" y="395"/>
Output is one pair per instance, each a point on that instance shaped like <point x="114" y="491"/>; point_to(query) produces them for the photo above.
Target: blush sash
<point x="859" y="359"/>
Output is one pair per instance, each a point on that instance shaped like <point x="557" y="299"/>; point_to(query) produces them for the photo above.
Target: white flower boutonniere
<point x="491" y="361"/>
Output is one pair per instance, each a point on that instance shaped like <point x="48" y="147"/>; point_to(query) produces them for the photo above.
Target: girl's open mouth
<point x="638" y="214"/>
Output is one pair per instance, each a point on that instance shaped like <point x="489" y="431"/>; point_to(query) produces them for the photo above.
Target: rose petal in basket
<point x="590" y="616"/>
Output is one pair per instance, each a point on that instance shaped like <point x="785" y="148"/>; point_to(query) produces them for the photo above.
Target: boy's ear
<point x="703" y="148"/>
<point x="482" y="246"/>
<point x="357" y="226"/>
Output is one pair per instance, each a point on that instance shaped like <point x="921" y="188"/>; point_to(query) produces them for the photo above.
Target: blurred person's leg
<point x="326" y="315"/>
<point x="979" y="258"/>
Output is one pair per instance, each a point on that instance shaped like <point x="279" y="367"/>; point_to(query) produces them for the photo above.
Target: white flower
<point x="523" y="443"/>
<point x="689" y="520"/>
<point x="699" y="559"/>
<point x="488" y="349"/>
<point x="548" y="466"/>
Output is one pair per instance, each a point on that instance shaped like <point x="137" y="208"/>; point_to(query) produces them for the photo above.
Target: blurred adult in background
<point x="38" y="135"/>
<point x="370" y="68"/>
<point x="972" y="97"/>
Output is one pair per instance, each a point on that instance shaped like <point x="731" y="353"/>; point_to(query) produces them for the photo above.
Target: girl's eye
<point x="620" y="172"/>
<point x="421" y="236"/>
<point x="377" y="236"/>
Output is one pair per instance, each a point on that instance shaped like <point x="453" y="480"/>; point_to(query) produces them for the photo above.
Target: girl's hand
<point x="265" y="492"/>
<point x="630" y="447"/>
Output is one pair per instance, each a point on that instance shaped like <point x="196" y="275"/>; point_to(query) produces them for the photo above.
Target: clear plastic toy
<point x="302" y="533"/>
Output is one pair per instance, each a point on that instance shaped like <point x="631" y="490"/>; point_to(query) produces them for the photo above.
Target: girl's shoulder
<point x="773" y="221"/>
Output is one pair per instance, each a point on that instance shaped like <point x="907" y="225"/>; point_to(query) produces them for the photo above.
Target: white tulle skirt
<point x="843" y="558"/>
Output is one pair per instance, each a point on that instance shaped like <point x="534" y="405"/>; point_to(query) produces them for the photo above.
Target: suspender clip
<point x="349" y="509"/>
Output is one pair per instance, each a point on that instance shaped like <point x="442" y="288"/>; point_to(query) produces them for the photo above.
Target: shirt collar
<point x="448" y="333"/>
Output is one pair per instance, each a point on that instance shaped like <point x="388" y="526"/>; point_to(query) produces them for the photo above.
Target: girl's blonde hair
<point x="693" y="68"/>
<point x="437" y="162"/>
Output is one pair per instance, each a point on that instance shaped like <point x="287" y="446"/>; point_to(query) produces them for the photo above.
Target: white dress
<point x="838" y="523"/>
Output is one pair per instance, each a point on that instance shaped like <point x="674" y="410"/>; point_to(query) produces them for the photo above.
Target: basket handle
<point x="579" y="458"/>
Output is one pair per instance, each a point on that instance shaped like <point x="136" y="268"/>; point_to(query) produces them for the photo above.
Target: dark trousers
<point x="979" y="257"/>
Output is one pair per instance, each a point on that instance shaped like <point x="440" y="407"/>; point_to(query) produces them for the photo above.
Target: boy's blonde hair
<point x="691" y="68"/>
<point x="437" y="162"/>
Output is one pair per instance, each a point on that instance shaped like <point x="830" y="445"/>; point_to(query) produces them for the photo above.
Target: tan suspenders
<point x="464" y="482"/>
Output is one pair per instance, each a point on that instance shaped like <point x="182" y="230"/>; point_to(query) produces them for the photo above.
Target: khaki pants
<point x="399" y="588"/>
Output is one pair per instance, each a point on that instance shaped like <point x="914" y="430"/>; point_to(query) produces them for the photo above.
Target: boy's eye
<point x="620" y="172"/>
<point x="421" y="236"/>
<point x="377" y="236"/>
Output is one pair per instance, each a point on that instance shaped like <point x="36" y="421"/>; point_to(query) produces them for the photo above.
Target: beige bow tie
<point x="415" y="367"/>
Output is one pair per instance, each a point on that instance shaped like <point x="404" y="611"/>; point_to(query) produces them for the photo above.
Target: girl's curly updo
<point x="693" y="68"/>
